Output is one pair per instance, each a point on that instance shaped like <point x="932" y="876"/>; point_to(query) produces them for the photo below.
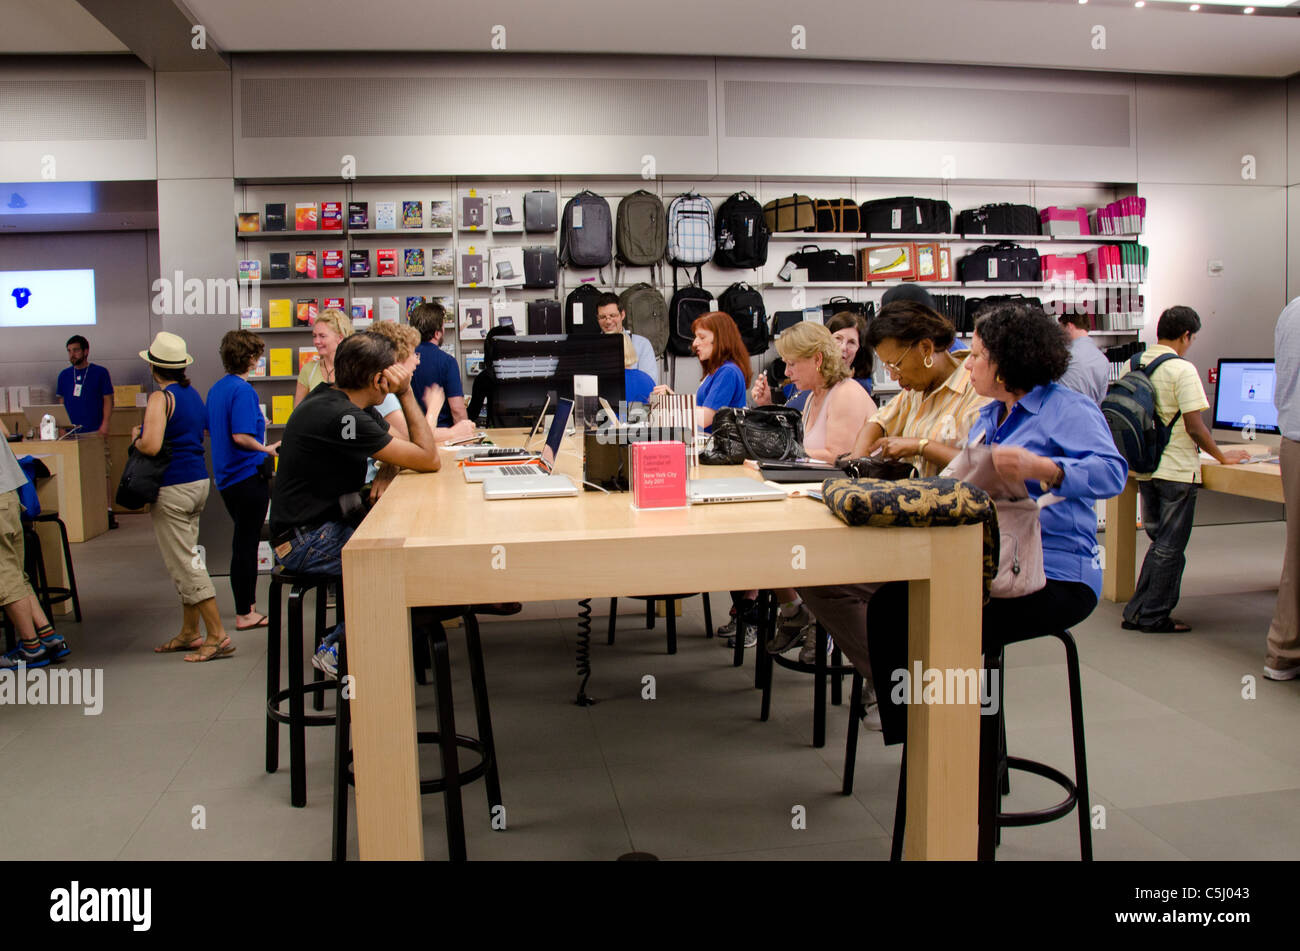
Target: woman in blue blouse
<point x="1057" y="441"/>
<point x="725" y="360"/>
<point x="175" y="417"/>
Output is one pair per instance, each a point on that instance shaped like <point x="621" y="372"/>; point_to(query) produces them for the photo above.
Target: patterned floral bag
<point x="916" y="503"/>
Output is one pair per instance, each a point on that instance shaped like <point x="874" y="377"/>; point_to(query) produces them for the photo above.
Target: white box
<point x="507" y="212"/>
<point x="19" y="397"/>
<point x="506" y="267"/>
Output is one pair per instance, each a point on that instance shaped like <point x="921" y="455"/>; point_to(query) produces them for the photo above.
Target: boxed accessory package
<point x="886" y="262"/>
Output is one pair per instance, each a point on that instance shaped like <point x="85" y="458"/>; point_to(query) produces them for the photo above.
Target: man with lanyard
<point x="87" y="391"/>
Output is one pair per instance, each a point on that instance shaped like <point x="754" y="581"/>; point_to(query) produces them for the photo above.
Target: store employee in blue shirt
<point x="437" y="367"/>
<point x="85" y="389"/>
<point x="1054" y="440"/>
<point x="725" y="361"/>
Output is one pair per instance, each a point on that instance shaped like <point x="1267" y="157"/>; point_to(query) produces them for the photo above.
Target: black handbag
<point x="764" y="432"/>
<point x="142" y="475"/>
<point x="877" y="467"/>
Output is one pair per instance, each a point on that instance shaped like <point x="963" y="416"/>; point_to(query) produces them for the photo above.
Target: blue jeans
<point x="1167" y="510"/>
<point x="320" y="551"/>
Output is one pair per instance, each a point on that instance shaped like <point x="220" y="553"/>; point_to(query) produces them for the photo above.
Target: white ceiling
<point x="53" y="26"/>
<point x="988" y="32"/>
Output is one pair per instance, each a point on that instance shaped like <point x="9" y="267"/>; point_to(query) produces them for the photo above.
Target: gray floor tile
<point x="1254" y="827"/>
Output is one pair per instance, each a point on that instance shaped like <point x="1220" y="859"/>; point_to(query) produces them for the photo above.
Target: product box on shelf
<point x="440" y="214"/>
<point x="305" y="216"/>
<point x="279" y="269"/>
<point x="413" y="214"/>
<point x="358" y="216"/>
<point x="1064" y="221"/>
<point x="279" y="313"/>
<point x="247" y="222"/>
<point x="273" y="216"/>
<point x="385" y="215"/>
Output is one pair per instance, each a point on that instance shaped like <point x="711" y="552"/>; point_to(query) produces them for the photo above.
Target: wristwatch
<point x="1060" y="477"/>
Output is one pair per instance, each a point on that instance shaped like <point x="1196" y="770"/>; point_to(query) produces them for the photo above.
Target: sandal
<point x="177" y="646"/>
<point x="248" y="627"/>
<point x="214" y="652"/>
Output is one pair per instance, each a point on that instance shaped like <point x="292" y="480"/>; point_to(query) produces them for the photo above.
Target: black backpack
<point x="580" y="310"/>
<point x="741" y="233"/>
<point x="688" y="303"/>
<point x="1130" y="411"/>
<point x="586" y="232"/>
<point x="745" y="305"/>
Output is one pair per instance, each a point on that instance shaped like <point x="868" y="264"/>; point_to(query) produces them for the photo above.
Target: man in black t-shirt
<point x="316" y="504"/>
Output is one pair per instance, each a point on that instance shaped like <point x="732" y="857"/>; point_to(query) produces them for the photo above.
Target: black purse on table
<point x="764" y="432"/>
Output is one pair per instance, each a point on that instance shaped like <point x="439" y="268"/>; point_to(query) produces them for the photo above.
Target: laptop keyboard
<point x="502" y="452"/>
<point x="519" y="470"/>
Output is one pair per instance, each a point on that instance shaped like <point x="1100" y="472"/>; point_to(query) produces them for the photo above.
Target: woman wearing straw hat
<point x="175" y="417"/>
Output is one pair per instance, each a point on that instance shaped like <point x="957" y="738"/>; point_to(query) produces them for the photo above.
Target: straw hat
<point x="168" y="351"/>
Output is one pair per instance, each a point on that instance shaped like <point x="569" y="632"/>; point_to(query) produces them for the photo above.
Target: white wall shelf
<point x="298" y="236"/>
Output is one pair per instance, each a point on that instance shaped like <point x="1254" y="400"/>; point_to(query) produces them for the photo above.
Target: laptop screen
<point x="563" y="409"/>
<point x="1244" y="397"/>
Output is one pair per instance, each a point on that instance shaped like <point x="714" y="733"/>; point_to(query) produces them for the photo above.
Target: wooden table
<point x="1255" y="480"/>
<point x="82" y="481"/>
<point x="434" y="540"/>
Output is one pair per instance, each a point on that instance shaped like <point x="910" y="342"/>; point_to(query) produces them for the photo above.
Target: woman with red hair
<point x="725" y="360"/>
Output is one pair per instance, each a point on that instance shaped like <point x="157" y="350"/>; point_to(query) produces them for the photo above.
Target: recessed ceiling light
<point x="1083" y="1"/>
<point x="1194" y="7"/>
<point x="1248" y="10"/>
<point x="1140" y="3"/>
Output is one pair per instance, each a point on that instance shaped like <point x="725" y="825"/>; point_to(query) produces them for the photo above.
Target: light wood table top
<point x="433" y="539"/>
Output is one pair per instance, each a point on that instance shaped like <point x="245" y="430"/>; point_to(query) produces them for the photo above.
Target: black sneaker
<point x="728" y="628"/>
<point x="112" y="519"/>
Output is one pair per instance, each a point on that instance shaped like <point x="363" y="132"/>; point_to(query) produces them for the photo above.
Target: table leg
<point x="385" y="757"/>
<point x="943" y="738"/>
<point x="1120" y="540"/>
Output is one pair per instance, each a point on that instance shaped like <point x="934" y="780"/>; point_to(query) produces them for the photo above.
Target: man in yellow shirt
<point x="1169" y="493"/>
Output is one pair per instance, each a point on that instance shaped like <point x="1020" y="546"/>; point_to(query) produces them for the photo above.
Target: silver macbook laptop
<point x="739" y="489"/>
<point x="563" y="409"/>
<point x="527" y="482"/>
<point x="523" y="452"/>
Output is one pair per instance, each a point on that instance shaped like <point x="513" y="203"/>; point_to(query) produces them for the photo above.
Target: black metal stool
<point x="46" y="593"/>
<point x="995" y="764"/>
<point x="824" y="666"/>
<point x="297" y="718"/>
<point x="448" y="740"/>
<point x="669" y="614"/>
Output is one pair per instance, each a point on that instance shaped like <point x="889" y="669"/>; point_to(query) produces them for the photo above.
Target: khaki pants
<point x="176" y="526"/>
<point x="14" y="585"/>
<point x="1284" y="632"/>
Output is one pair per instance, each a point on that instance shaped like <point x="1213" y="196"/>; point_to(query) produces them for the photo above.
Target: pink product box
<point x="1065" y="267"/>
<point x="1065" y="221"/>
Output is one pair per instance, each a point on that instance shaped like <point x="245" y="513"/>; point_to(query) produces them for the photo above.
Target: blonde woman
<point x="326" y="334"/>
<point x="836" y="406"/>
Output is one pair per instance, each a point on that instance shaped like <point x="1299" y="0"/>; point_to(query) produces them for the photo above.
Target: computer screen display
<point x="47" y="298"/>
<point x="1244" y="397"/>
<point x="525" y="369"/>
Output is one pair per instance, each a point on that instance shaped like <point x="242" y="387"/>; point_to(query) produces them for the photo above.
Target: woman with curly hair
<point x="1057" y="442"/>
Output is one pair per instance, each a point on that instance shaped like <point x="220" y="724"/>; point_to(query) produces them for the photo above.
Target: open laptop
<point x="530" y="481"/>
<point x="507" y="452"/>
<point x="538" y="465"/>
<point x="738" y="489"/>
<point x="38" y="410"/>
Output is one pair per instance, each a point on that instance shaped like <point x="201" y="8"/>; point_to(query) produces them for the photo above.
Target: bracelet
<point x="920" y="449"/>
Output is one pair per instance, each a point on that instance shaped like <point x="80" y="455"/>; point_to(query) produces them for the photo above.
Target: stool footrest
<point x="439" y="784"/>
<point x="309" y="719"/>
<point x="780" y="661"/>
<point x="1051" y="813"/>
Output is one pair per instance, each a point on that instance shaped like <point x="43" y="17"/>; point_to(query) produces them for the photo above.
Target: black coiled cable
<point x="584" y="651"/>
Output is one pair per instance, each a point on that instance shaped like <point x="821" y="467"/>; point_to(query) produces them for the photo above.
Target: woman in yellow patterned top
<point x="326" y="335"/>
<point x="928" y="421"/>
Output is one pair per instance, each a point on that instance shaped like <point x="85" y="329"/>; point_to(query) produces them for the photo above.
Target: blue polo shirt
<point x="725" y="386"/>
<point x="86" y="410"/>
<point x="232" y="408"/>
<point x="1067" y="428"/>
<point x="637" y="385"/>
<point x="437" y="366"/>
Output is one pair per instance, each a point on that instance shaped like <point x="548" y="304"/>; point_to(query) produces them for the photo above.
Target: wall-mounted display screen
<point x="47" y="298"/>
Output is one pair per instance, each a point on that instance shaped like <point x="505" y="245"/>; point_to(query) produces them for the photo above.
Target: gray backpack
<point x="641" y="231"/>
<point x="586" y="232"/>
<point x="646" y="313"/>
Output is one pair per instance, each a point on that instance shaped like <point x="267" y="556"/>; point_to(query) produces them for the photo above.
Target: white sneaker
<point x="1284" y="673"/>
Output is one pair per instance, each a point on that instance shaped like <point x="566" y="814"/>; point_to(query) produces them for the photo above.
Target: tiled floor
<point x="1182" y="764"/>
